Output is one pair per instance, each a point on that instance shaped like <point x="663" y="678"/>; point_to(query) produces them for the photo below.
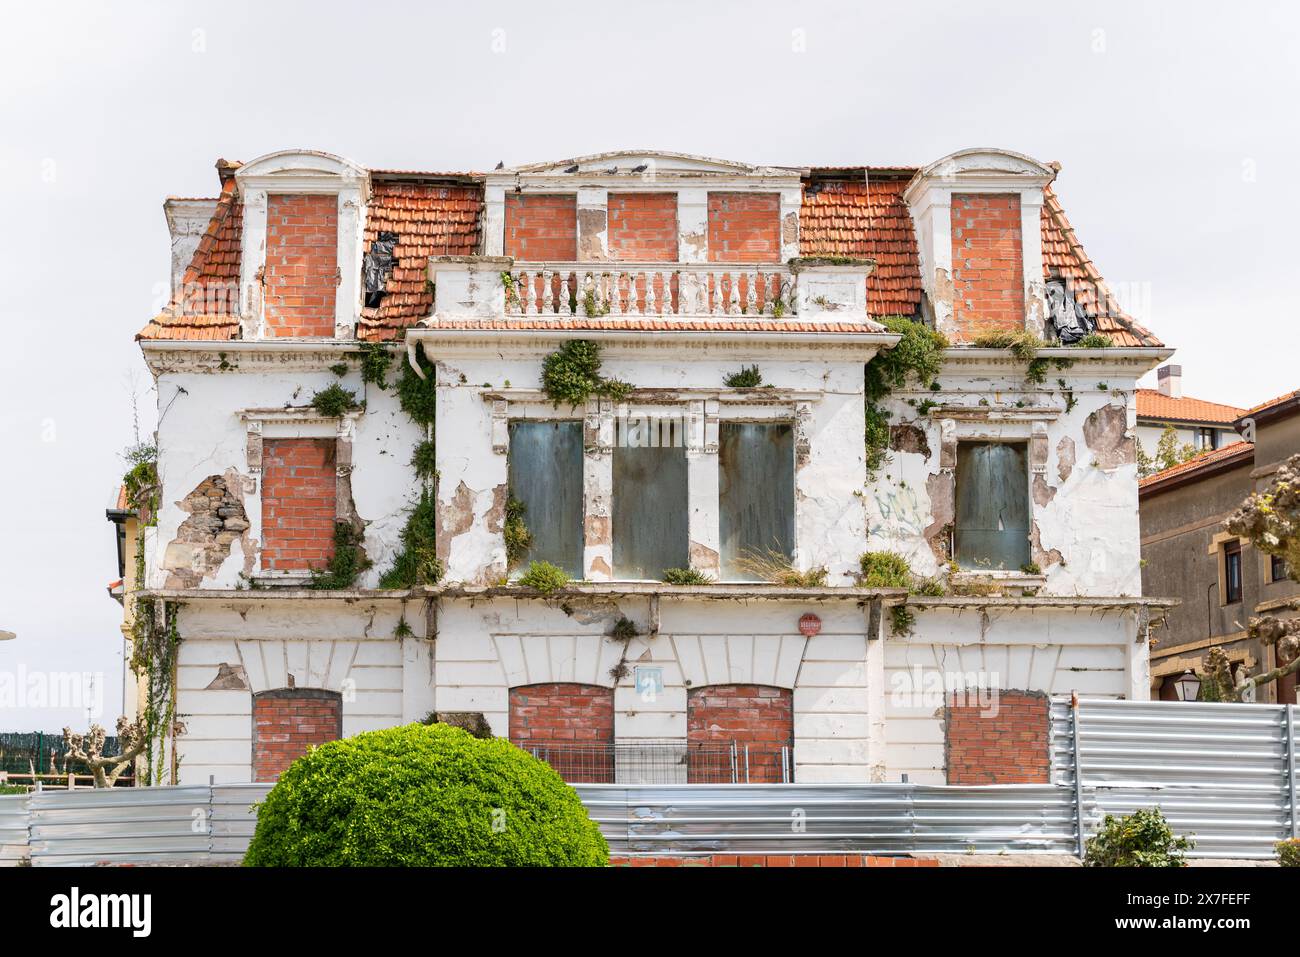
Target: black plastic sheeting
<point x="378" y="266"/>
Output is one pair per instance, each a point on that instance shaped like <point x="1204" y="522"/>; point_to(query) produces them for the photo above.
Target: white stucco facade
<point x="1074" y="623"/>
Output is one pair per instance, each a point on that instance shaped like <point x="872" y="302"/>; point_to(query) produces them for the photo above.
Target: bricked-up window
<point x="744" y="227"/>
<point x="298" y="503"/>
<point x="301" y="276"/>
<point x="541" y="227"/>
<point x="568" y="725"/>
<point x="757" y="716"/>
<point x="545" y="469"/>
<point x="288" y="721"/>
<point x="755" y="493"/>
<point x="992" y="527"/>
<point x="997" y="737"/>
<point x="649" y="503"/>
<point x="643" y="227"/>
<point x="987" y="263"/>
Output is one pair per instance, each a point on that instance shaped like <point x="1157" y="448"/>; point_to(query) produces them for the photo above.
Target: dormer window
<point x="300" y="266"/>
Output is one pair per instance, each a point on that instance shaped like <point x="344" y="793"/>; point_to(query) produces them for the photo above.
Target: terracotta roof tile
<point x="1065" y="258"/>
<point x="1263" y="406"/>
<point x="1152" y="404"/>
<point x="1221" y="456"/>
<point x="429" y="220"/>
<point x="868" y="220"/>
<point x="206" y="308"/>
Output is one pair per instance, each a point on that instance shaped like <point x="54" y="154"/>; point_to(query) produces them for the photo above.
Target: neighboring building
<point x="1202" y="425"/>
<point x="1222" y="580"/>
<point x="683" y="269"/>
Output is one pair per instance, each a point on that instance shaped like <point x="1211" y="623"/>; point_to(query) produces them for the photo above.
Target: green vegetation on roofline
<point x="1095" y="340"/>
<point x="685" y="576"/>
<point x="747" y="378"/>
<point x="571" y="375"/>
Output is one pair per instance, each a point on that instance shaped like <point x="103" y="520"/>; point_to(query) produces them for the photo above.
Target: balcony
<point x="495" y="287"/>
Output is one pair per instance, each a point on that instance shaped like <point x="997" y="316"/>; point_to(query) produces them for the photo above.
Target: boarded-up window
<point x="546" y="476"/>
<point x="992" y="505"/>
<point x="755" y="492"/>
<point x="650" y="501"/>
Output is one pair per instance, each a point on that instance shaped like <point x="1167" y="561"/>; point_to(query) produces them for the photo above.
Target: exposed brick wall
<point x="301" y="264"/>
<point x="1008" y="745"/>
<point x="987" y="266"/>
<point x="541" y="227"/>
<point x="298" y="503"/>
<point x="757" y="715"/>
<point x="572" y="717"/>
<point x="287" y="721"/>
<point x="643" y="227"/>
<point x="744" y="227"/>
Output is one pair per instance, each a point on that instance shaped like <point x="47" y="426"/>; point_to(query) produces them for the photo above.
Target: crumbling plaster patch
<point x="216" y="519"/>
<point x="1105" y="432"/>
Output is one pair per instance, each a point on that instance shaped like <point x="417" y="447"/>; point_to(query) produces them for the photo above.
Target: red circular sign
<point x="810" y="625"/>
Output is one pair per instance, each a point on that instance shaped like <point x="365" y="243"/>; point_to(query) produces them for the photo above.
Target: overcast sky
<point x="1175" y="124"/>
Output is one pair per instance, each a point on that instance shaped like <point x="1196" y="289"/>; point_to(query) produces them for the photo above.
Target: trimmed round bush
<point x="423" y="796"/>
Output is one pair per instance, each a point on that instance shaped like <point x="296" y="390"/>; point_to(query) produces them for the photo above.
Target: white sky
<point x="1175" y="124"/>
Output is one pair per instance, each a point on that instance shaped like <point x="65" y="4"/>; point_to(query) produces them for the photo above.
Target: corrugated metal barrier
<point x="1221" y="773"/>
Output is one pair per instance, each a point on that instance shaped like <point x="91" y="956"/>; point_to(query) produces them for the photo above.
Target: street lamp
<point x="7" y="636"/>
<point x="1187" y="686"/>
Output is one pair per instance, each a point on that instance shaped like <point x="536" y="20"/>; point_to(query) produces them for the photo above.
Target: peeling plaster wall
<point x="200" y="434"/>
<point x="855" y="716"/>
<point x="830" y="518"/>
<point x="1084" y="502"/>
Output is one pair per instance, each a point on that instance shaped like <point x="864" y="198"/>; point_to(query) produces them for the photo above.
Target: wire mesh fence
<point x="667" y="762"/>
<point x="30" y="756"/>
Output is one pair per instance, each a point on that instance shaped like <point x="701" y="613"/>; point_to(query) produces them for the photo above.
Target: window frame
<point x="1025" y="444"/>
<point x="1231" y="551"/>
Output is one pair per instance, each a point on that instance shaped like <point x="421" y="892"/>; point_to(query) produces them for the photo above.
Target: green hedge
<point x="422" y="796"/>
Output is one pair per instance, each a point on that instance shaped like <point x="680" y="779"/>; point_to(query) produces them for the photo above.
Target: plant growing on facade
<point x="334" y="400"/>
<point x="1095" y="340"/>
<point x="571" y="375"/>
<point x="518" y="538"/>
<point x="747" y="378"/>
<point x="89" y="749"/>
<point x="770" y="565"/>
<point x="155" y="641"/>
<point x="420" y="796"/>
<point x="685" y="576"/>
<point x="375" y="360"/>
<point x="425" y="460"/>
<point x="916" y="358"/>
<point x="141" y="481"/>
<point x="544" y="577"/>
<point x="1141" y="839"/>
<point x="416" y="562"/>
<point x="345" y="564"/>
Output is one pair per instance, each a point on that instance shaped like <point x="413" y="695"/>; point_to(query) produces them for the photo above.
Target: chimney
<point x="1170" y="380"/>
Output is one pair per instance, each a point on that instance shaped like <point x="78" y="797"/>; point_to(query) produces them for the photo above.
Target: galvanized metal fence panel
<point x="119" y="825"/>
<point x="233" y="820"/>
<point x="13" y="828"/>
<point x="829" y="818"/>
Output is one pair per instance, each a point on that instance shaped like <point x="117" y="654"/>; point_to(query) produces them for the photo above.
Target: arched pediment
<point x="300" y="164"/>
<point x="985" y="161"/>
<point x="628" y="161"/>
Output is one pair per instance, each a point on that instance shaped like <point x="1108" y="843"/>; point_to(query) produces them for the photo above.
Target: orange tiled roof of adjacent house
<point x="1197" y="463"/>
<point x="1265" y="406"/>
<point x="846" y="212"/>
<point x="1153" y="404"/>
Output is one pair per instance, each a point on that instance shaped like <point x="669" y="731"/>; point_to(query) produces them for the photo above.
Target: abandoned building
<point x="1220" y="579"/>
<point x="574" y="453"/>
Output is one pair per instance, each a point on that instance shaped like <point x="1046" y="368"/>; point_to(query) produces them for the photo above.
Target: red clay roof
<point x="1152" y="404"/>
<point x="210" y="286"/>
<point x="429" y="220"/>
<point x="862" y="217"/>
<point x="1203" y="462"/>
<point x="1266" y="406"/>
<point x="1065" y="258"/>
<point x="868" y="220"/>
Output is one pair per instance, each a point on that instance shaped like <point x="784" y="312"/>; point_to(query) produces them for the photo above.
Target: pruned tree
<point x="1269" y="520"/>
<point x="89" y="748"/>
